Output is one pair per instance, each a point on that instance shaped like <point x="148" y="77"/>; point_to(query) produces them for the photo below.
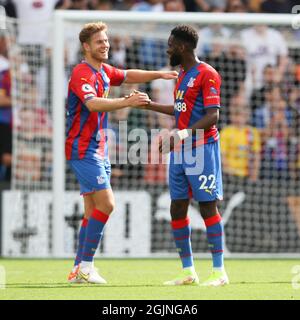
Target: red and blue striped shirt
<point x="86" y="130"/>
<point x="197" y="90"/>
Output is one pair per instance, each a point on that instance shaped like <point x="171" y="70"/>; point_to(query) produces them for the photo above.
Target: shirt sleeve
<point x="82" y="84"/>
<point x="116" y="76"/>
<point x="211" y="84"/>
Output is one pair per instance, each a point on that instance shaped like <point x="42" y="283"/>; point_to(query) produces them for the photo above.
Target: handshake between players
<point x="141" y="100"/>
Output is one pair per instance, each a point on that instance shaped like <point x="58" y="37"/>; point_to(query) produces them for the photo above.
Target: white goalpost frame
<point x="62" y="16"/>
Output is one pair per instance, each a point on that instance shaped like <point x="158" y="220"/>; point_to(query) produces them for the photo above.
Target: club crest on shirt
<point x="191" y="82"/>
<point x="101" y="179"/>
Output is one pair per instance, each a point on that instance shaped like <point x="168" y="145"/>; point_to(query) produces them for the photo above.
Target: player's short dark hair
<point x="187" y="34"/>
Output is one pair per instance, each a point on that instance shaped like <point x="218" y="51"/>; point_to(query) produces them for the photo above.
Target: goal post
<point x="58" y="133"/>
<point x="141" y="191"/>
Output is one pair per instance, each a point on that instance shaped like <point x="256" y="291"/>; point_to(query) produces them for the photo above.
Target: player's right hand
<point x="138" y="99"/>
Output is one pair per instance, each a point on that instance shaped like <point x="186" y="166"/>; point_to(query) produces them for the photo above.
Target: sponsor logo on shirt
<point x="179" y="94"/>
<point x="212" y="97"/>
<point x="180" y="106"/>
<point x="209" y="191"/>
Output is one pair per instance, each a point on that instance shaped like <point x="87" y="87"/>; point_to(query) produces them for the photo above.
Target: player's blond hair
<point x="89" y="30"/>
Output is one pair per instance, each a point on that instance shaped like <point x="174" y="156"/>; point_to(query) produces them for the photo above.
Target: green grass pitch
<point x="141" y="279"/>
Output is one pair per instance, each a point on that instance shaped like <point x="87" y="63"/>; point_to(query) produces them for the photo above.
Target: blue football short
<point x="92" y="174"/>
<point x="196" y="173"/>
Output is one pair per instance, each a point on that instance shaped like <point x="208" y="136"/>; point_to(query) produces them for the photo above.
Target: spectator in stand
<point x="254" y="5"/>
<point x="236" y="6"/>
<point x="148" y="5"/>
<point x="63" y="4"/>
<point x="204" y="5"/>
<point x="230" y="63"/>
<point x="151" y="52"/>
<point x="9" y="8"/>
<point x="267" y="47"/>
<point x="294" y="99"/>
<point x="174" y="6"/>
<point x="117" y="54"/>
<point x="125" y="5"/>
<point x="241" y="160"/>
<point x="5" y="115"/>
<point x="240" y="144"/>
<point x="273" y="120"/>
<point x="34" y="28"/>
<point x="33" y="125"/>
<point x="102" y="5"/>
<point x="79" y="5"/>
<point x="293" y="198"/>
<point x="277" y="6"/>
<point x="212" y="34"/>
<point x="270" y="80"/>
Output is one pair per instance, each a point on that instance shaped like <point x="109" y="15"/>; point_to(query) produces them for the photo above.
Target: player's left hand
<point x="169" y="75"/>
<point x="169" y="142"/>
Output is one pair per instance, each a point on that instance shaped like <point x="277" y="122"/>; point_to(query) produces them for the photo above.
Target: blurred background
<point x="259" y="128"/>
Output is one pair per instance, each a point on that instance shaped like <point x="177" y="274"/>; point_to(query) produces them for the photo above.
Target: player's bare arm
<point x="141" y="76"/>
<point x="161" y="108"/>
<point x="169" y="142"/>
<point x="106" y="105"/>
<point x="210" y="119"/>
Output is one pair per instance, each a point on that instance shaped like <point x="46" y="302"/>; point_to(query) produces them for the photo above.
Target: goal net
<point x="259" y="61"/>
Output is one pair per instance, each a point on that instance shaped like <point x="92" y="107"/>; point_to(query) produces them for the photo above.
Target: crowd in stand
<point x="260" y="78"/>
<point x="260" y="119"/>
<point x="260" y="90"/>
<point x="259" y="6"/>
